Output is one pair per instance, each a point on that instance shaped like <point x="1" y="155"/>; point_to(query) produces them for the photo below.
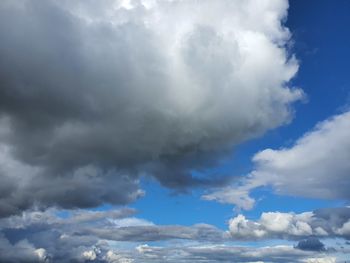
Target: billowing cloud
<point x="316" y="166"/>
<point x="331" y="222"/>
<point x="95" y="94"/>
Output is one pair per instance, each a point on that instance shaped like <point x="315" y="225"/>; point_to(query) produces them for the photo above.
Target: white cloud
<point x="130" y="221"/>
<point x="113" y="257"/>
<point x="241" y="227"/>
<point x="271" y="224"/>
<point x="42" y="255"/>
<point x="222" y="253"/>
<point x="321" y="223"/>
<point x="320" y="260"/>
<point x="345" y="229"/>
<point x="239" y="196"/>
<point x="316" y="166"/>
<point x="89" y="255"/>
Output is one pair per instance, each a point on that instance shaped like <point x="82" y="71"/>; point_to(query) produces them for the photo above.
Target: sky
<point x="136" y="131"/>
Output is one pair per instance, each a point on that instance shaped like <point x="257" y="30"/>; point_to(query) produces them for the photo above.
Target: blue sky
<point x="175" y="131"/>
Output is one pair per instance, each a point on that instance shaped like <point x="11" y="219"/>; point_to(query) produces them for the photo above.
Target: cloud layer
<point x="119" y="236"/>
<point x="95" y="94"/>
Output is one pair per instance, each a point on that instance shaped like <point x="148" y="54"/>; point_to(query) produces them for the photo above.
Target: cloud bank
<point x="118" y="236"/>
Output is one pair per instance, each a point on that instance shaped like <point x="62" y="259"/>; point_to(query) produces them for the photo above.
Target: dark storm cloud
<point x="311" y="244"/>
<point x="131" y="90"/>
<point x="85" y="187"/>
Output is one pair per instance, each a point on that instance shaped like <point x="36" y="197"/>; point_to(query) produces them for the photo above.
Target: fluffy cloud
<point x="95" y="94"/>
<point x="322" y="223"/>
<point x="316" y="166"/>
<point x="89" y="255"/>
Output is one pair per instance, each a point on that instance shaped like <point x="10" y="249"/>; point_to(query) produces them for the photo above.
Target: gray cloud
<point x="85" y="187"/>
<point x="311" y="244"/>
<point x="201" y="232"/>
<point x="22" y="251"/>
<point x="133" y="89"/>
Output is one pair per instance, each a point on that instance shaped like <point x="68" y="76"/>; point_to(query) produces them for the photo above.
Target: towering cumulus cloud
<point x="94" y="94"/>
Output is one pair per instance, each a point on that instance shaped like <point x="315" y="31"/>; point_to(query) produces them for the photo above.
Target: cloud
<point x="141" y="233"/>
<point x="316" y="166"/>
<point x="321" y="260"/>
<point x="113" y="257"/>
<point x="221" y="253"/>
<point x="119" y="237"/>
<point x="25" y="186"/>
<point x="81" y="235"/>
<point x="21" y="251"/>
<point x="322" y="223"/>
<point x="89" y="255"/>
<point x="134" y="89"/>
<point x="311" y="244"/>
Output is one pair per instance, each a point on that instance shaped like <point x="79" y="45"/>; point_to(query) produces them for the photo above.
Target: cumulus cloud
<point x="329" y="222"/>
<point x="316" y="166"/>
<point x="95" y="94"/>
<point x="89" y="255"/>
